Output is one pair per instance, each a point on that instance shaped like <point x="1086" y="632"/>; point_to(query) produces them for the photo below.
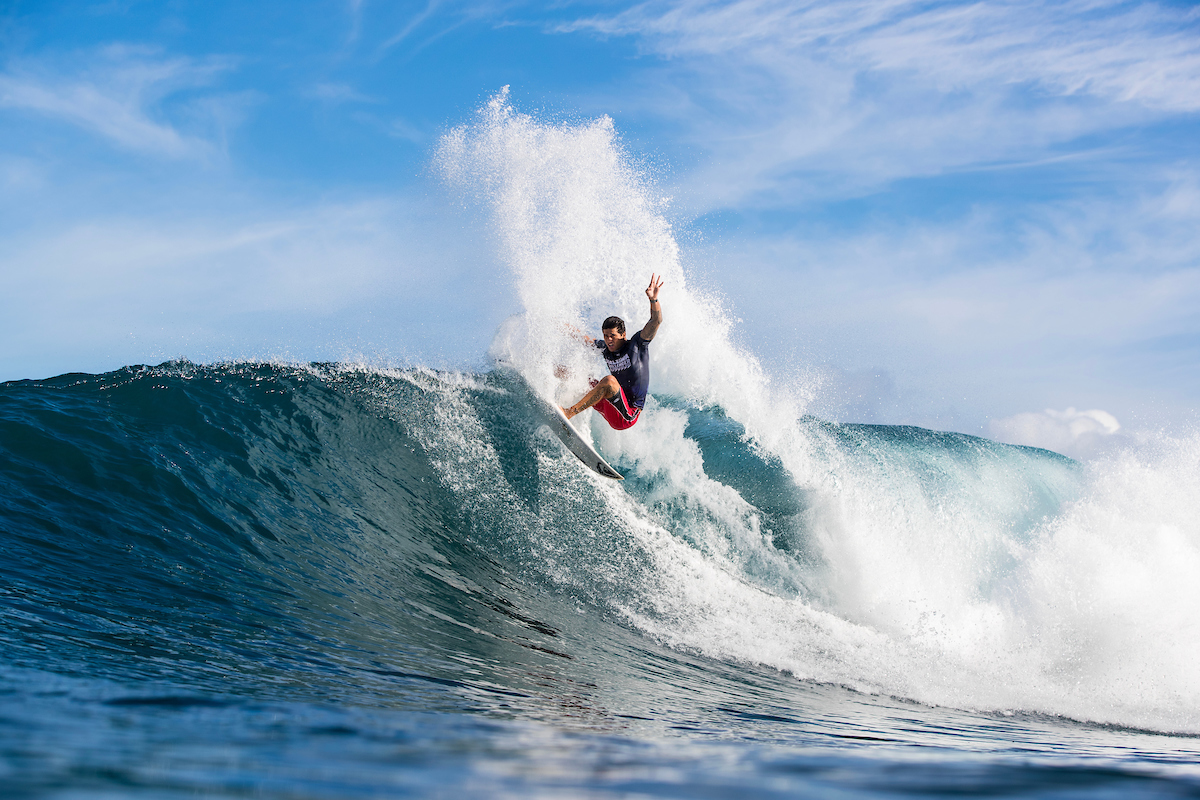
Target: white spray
<point x="938" y="588"/>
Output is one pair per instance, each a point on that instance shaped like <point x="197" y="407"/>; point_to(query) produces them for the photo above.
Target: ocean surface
<point x="331" y="581"/>
<point x="280" y="580"/>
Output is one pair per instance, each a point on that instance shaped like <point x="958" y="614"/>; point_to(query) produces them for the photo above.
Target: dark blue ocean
<point x="329" y="581"/>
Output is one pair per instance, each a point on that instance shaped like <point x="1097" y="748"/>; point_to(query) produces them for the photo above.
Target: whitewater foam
<point x="944" y="568"/>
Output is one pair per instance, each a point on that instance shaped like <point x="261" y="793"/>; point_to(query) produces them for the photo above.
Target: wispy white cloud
<point x="438" y="19"/>
<point x="118" y="94"/>
<point x="1138" y="52"/>
<point x="354" y="8"/>
<point x="412" y="24"/>
<point x="818" y="99"/>
<point x="409" y="132"/>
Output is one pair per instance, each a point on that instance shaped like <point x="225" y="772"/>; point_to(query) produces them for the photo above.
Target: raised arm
<point x="656" y="317"/>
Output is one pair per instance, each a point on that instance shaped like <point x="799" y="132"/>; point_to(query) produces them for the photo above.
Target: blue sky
<point x="959" y="213"/>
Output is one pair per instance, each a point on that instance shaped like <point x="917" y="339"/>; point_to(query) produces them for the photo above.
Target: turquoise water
<point x="332" y="581"/>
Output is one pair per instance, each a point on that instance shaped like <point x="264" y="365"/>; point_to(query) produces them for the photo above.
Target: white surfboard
<point x="553" y="416"/>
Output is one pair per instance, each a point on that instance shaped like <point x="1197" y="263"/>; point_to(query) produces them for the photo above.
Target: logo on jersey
<point x="618" y="364"/>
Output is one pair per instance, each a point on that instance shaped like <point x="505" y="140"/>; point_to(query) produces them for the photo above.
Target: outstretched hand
<point x="652" y="289"/>
<point x="575" y="332"/>
<point x="656" y="315"/>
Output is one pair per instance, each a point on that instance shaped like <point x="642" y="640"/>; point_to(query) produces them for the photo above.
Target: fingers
<point x="655" y="284"/>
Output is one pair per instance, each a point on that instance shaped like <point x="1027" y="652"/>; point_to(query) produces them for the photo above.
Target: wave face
<point x="204" y="520"/>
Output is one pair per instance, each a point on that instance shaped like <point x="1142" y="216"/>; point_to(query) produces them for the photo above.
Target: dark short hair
<point x="614" y="322"/>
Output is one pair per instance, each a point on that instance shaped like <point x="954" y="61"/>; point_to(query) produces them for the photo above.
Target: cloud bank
<point x="309" y="283"/>
<point x="1078" y="434"/>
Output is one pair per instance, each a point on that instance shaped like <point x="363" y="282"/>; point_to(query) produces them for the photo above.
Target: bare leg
<point x="604" y="390"/>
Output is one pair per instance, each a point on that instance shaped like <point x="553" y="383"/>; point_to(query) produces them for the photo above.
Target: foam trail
<point x="940" y="567"/>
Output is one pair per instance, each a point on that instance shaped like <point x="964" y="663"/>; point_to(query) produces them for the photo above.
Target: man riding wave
<point x="620" y="396"/>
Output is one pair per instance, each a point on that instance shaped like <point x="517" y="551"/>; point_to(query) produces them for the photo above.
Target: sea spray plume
<point x="581" y="230"/>
<point x="571" y="215"/>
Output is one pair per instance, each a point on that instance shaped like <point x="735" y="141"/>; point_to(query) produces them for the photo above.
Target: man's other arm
<point x="656" y="316"/>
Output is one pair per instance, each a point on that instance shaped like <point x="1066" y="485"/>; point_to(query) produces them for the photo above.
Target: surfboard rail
<point x="571" y="438"/>
<point x="582" y="449"/>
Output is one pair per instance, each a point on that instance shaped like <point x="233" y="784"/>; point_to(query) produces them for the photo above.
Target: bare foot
<point x="566" y="412"/>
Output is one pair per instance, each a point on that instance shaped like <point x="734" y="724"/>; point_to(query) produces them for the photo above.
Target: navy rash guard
<point x="631" y="367"/>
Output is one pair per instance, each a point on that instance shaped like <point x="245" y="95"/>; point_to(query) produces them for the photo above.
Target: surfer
<point x="620" y="396"/>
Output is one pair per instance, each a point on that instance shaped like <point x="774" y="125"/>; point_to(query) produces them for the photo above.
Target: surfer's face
<point x="613" y="340"/>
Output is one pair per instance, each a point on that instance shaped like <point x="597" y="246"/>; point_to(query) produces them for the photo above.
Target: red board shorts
<point x="617" y="412"/>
